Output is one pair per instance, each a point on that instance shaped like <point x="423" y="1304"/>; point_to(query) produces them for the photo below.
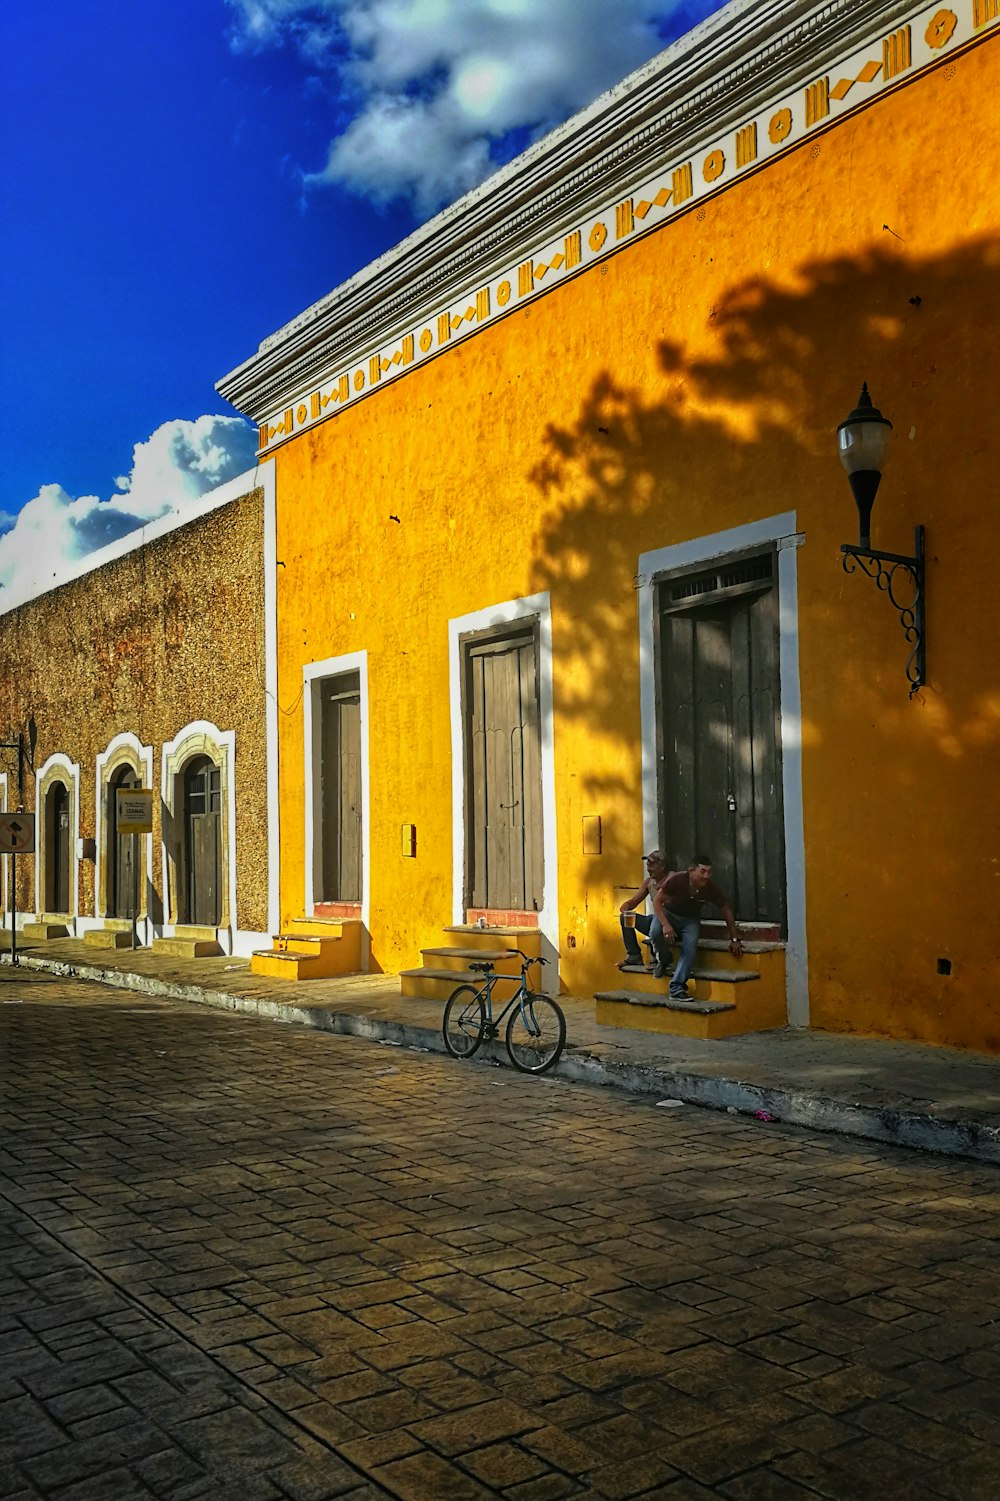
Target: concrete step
<point x="467" y="935"/>
<point x="646" y="980"/>
<point x="754" y="932"/>
<point x="180" y="947"/>
<point x="279" y="964"/>
<point x="648" y="1013"/>
<point x="505" y="961"/>
<point x="437" y="984"/>
<point x="716" y="950"/>
<point x="41" y="932"/>
<point x="108" y="938"/>
<point x="197" y="933"/>
<point x="307" y="943"/>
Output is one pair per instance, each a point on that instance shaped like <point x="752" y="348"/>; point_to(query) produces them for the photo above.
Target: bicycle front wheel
<point x="464" y="1021"/>
<point x="536" y="1034"/>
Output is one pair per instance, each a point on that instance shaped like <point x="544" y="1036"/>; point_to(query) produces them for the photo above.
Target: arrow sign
<point x="17" y="833"/>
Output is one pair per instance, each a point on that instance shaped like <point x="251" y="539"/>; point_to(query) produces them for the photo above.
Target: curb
<point x="916" y="1130"/>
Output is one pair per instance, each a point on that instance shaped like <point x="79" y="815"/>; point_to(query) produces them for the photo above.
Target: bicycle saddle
<point x="482" y="965"/>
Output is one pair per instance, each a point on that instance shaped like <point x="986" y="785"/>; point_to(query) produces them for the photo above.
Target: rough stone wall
<point x="167" y="634"/>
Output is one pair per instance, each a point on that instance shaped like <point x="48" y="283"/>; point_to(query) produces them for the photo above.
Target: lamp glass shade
<point x="863" y="440"/>
<point x="863" y="445"/>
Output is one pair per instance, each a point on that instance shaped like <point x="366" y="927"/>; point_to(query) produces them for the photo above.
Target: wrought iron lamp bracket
<point x="885" y="568"/>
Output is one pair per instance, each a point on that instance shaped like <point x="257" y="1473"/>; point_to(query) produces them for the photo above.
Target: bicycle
<point x="536" y="1028"/>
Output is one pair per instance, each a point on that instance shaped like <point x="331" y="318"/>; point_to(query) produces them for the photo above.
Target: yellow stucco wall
<point x="691" y="384"/>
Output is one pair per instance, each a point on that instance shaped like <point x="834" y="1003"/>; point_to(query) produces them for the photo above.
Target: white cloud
<point x="437" y="84"/>
<point x="178" y="463"/>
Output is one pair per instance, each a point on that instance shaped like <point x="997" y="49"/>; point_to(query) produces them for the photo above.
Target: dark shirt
<point x="677" y="895"/>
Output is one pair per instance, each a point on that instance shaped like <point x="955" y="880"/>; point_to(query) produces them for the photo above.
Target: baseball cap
<point x="656" y="855"/>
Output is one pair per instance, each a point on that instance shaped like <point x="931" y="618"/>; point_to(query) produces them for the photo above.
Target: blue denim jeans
<point x="687" y="930"/>
<point x="653" y="929"/>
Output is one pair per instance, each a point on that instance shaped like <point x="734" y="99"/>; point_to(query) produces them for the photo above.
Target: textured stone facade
<point x="114" y="665"/>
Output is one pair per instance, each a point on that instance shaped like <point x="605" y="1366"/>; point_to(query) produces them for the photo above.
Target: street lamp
<point x="863" y="443"/>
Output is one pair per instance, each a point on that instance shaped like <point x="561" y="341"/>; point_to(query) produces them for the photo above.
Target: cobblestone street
<point x="258" y="1261"/>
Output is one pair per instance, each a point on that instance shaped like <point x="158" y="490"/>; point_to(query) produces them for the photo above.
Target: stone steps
<point x="189" y="942"/>
<point x="108" y="938"/>
<point x="745" y="994"/>
<point x="313" y="948"/>
<point x="446" y="966"/>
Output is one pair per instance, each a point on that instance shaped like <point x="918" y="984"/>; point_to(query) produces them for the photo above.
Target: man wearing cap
<point x="643" y="922"/>
<point x="677" y="902"/>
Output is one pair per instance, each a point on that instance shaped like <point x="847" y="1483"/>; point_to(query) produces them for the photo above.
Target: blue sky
<point x="181" y="180"/>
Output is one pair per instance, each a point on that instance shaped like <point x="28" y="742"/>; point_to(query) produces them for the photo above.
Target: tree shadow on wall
<point x="690" y="441"/>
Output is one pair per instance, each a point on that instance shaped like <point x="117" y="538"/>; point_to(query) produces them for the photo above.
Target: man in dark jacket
<point x="678" y="901"/>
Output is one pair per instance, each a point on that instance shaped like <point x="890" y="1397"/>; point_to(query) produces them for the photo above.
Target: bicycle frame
<point x="485" y="994"/>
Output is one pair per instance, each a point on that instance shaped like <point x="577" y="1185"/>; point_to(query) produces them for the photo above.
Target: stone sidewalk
<point x="908" y="1094"/>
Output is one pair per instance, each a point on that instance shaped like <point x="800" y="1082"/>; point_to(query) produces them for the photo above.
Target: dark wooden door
<point x="203" y="842"/>
<point x="721" y="767"/>
<point x="58" y="848"/>
<point x="504" y="778"/>
<point x="121" y="886"/>
<point x="340" y="705"/>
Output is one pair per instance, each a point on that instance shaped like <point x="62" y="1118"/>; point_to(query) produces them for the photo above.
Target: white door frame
<point x="528" y="610"/>
<point x="313" y="675"/>
<point x="651" y="567"/>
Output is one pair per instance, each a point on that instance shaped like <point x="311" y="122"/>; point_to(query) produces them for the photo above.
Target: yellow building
<point x="560" y="515"/>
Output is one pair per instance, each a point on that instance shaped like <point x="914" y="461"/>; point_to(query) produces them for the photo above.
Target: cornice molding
<point x="738" y="72"/>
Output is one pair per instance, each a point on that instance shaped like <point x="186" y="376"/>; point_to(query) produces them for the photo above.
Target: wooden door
<point x="340" y="771"/>
<point x="503" y="775"/>
<point x="720" y="733"/>
<point x="203" y="842"/>
<point x="121" y="886"/>
<point x="58" y="848"/>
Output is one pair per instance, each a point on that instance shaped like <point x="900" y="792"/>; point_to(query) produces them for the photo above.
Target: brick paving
<point x="252" y="1261"/>
<point x="905" y="1093"/>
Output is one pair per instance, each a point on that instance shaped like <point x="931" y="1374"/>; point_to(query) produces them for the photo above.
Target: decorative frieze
<point x="846" y="85"/>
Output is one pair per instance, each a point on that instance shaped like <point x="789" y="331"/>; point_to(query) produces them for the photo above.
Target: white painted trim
<point x="313" y="674"/>
<point x="268" y="483"/>
<point x="226" y="741"/>
<point x="11" y="598"/>
<point x="534" y="607"/>
<point x="653" y="565"/>
<point x="144" y="756"/>
<point x="60" y="762"/>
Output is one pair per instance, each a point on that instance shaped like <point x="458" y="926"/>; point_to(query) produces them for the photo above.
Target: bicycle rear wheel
<point x="536" y="1034"/>
<point x="464" y="1021"/>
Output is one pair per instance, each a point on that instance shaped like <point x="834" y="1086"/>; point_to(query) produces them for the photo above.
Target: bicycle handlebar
<point x="487" y="967"/>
